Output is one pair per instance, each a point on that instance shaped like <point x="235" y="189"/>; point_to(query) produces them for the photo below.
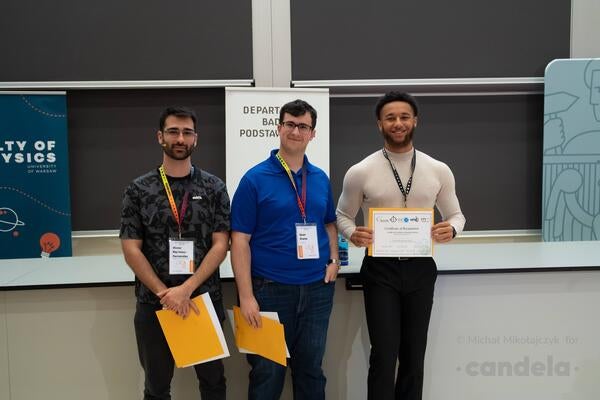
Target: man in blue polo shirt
<point x="284" y="255"/>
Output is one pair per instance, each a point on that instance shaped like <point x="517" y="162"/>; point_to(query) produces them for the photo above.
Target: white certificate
<point x="401" y="232"/>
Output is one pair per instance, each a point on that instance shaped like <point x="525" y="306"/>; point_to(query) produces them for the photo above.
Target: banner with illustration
<point x="35" y="207"/>
<point x="571" y="182"/>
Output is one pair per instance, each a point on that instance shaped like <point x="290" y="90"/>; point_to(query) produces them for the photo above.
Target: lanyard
<point x="184" y="204"/>
<point x="301" y="201"/>
<point x="413" y="163"/>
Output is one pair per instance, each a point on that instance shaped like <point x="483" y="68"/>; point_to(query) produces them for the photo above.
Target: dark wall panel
<point x="402" y="39"/>
<point x="112" y="140"/>
<point x="493" y="144"/>
<point x="70" y="40"/>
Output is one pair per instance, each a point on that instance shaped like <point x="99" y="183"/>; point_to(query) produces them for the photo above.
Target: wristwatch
<point x="333" y="261"/>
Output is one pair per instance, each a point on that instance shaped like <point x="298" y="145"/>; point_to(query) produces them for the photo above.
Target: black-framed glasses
<point x="302" y="128"/>
<point x="175" y="132"/>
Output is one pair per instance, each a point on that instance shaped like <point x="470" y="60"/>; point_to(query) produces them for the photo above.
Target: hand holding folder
<point x="197" y="338"/>
<point x="267" y="341"/>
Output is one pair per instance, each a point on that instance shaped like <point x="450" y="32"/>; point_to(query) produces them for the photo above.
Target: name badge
<point x="307" y="243"/>
<point x="181" y="257"/>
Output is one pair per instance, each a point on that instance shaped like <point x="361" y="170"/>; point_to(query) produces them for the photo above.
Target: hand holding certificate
<point x="401" y="232"/>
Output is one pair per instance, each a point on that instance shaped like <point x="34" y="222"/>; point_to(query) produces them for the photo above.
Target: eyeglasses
<point x="289" y="126"/>
<point x="175" y="132"/>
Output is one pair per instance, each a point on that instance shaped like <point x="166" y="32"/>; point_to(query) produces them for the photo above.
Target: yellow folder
<point x="268" y="341"/>
<point x="196" y="339"/>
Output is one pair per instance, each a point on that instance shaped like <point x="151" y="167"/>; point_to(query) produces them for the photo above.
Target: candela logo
<point x="523" y="367"/>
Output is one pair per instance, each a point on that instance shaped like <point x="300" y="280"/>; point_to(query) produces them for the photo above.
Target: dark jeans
<point x="398" y="300"/>
<point x="158" y="363"/>
<point x="304" y="311"/>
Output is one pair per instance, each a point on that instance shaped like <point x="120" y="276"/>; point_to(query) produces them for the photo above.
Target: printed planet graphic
<point x="9" y="220"/>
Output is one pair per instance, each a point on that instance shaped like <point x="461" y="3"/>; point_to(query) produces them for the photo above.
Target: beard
<point x="178" y="151"/>
<point x="390" y="140"/>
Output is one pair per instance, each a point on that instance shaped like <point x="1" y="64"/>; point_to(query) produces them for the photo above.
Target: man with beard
<point x="398" y="292"/>
<point x="176" y="211"/>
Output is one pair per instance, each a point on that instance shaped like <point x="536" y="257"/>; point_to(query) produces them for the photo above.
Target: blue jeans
<point x="304" y="311"/>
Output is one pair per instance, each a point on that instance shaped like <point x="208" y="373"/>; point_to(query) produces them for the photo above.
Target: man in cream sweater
<point x="398" y="292"/>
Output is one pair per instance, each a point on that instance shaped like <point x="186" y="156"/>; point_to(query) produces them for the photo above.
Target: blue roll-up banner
<point x="35" y="206"/>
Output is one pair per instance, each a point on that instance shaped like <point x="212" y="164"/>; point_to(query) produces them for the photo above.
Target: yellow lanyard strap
<point x="184" y="204"/>
<point x="301" y="201"/>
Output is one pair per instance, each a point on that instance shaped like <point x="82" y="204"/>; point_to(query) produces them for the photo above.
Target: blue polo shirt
<point x="265" y="207"/>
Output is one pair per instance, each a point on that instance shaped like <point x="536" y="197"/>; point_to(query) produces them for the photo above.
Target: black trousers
<point x="398" y="299"/>
<point x="158" y="363"/>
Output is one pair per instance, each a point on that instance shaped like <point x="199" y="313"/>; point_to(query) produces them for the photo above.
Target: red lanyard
<point x="301" y="201"/>
<point x="184" y="204"/>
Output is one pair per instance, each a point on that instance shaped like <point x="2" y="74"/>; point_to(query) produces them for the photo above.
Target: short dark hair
<point x="178" y="111"/>
<point x="396" y="96"/>
<point x="297" y="108"/>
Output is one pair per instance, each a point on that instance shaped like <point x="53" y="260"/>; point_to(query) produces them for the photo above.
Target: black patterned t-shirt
<point x="146" y="215"/>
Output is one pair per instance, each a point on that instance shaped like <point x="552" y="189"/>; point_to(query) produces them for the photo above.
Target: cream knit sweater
<point x="371" y="183"/>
